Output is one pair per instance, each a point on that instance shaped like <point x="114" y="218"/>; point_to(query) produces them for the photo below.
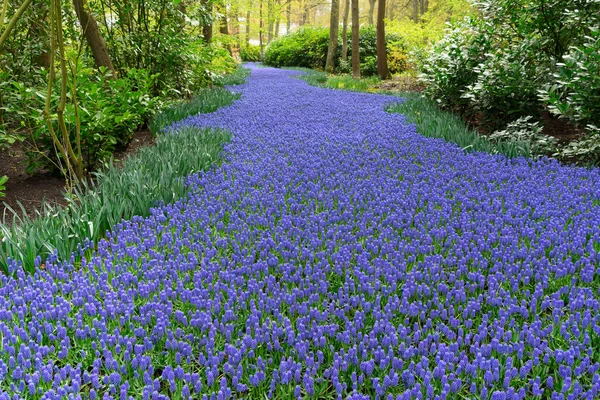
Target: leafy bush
<point x="527" y="133"/>
<point x="575" y="90"/>
<point x="451" y="66"/>
<point x="585" y="150"/>
<point x="109" y="112"/>
<point x="307" y="47"/>
<point x="250" y="52"/>
<point x="506" y="86"/>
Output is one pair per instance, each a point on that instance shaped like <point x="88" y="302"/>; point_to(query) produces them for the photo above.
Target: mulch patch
<point x="27" y="193"/>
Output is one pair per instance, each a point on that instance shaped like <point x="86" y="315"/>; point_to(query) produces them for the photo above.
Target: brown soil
<point x="401" y="83"/>
<point x="25" y="192"/>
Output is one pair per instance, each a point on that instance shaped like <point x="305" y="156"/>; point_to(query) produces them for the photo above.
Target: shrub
<point x="528" y="134"/>
<point x="306" y="47"/>
<point x="575" y="90"/>
<point x="250" y="52"/>
<point x="451" y="66"/>
<point x="109" y="111"/>
<point x="506" y="85"/>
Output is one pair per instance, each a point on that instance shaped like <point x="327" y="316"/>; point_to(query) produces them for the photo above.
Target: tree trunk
<point x="93" y="36"/>
<point x="382" y="66"/>
<point x="207" y="29"/>
<point x="334" y="26"/>
<point x="424" y="6"/>
<point x="277" y="19"/>
<point x="371" y="11"/>
<point x="288" y="16"/>
<point x="345" y="31"/>
<point x="355" y="50"/>
<point x="415" y="13"/>
<point x="269" y="21"/>
<point x="260" y="29"/>
<point x="248" y="27"/>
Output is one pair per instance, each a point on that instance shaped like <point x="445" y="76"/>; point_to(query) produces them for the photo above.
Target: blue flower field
<point x="335" y="254"/>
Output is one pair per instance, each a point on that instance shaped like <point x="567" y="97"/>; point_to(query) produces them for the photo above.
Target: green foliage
<point x="528" y="135"/>
<point x="307" y="47"/>
<point x="517" y="58"/>
<point x="584" y="150"/>
<point x="109" y="111"/>
<point x="205" y="101"/>
<point x="344" y="82"/>
<point x="452" y="62"/>
<point x="506" y="85"/>
<point x="436" y="123"/>
<point x="250" y="52"/>
<point x="575" y="90"/>
<point x="3" y="180"/>
<point x="237" y="77"/>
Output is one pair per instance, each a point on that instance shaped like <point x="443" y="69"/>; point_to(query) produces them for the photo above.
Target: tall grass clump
<point x="433" y="122"/>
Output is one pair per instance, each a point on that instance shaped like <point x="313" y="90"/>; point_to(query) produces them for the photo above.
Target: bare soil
<point x="27" y="193"/>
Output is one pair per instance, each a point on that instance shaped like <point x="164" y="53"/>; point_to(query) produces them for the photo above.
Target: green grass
<point x="430" y="120"/>
<point x="153" y="175"/>
<point x="343" y="82"/>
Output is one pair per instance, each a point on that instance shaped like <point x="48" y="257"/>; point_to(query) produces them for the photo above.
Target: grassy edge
<point x="430" y="120"/>
<point x="152" y="176"/>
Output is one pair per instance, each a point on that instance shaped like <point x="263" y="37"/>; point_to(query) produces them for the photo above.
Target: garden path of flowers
<point x="335" y="254"/>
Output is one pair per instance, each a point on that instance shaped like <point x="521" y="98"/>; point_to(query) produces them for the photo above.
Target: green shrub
<point x="506" y="85"/>
<point x="575" y="90"/>
<point x="307" y="47"/>
<point x="451" y="65"/>
<point x="250" y="52"/>
<point x="109" y="111"/>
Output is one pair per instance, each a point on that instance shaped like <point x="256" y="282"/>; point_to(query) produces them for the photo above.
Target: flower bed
<point x="336" y="253"/>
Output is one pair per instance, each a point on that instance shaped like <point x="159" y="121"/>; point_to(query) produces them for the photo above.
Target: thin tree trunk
<point x="334" y="26"/>
<point x="345" y="31"/>
<point x="13" y="21"/>
<point x="93" y="36"/>
<point x="288" y="15"/>
<point x="415" y="13"/>
<point x="371" y="11"/>
<point x="382" y="66"/>
<point x="277" y="19"/>
<point x="355" y="50"/>
<point x="248" y="27"/>
<point x="207" y="29"/>
<point x="260" y="29"/>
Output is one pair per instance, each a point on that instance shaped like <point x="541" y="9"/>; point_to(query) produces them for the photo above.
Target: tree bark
<point x="345" y="31"/>
<point x="93" y="36"/>
<point x="207" y="29"/>
<point x="288" y="15"/>
<point x="334" y="26"/>
<point x="355" y="49"/>
<point x="260" y="29"/>
<point x="382" y="66"/>
<point x="248" y="26"/>
<point x="415" y="13"/>
<point x="371" y="11"/>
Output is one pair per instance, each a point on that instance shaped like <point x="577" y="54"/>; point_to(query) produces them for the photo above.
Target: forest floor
<point x="27" y="193"/>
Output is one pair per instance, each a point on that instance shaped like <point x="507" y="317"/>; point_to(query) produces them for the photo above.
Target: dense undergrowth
<point x="152" y="176"/>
